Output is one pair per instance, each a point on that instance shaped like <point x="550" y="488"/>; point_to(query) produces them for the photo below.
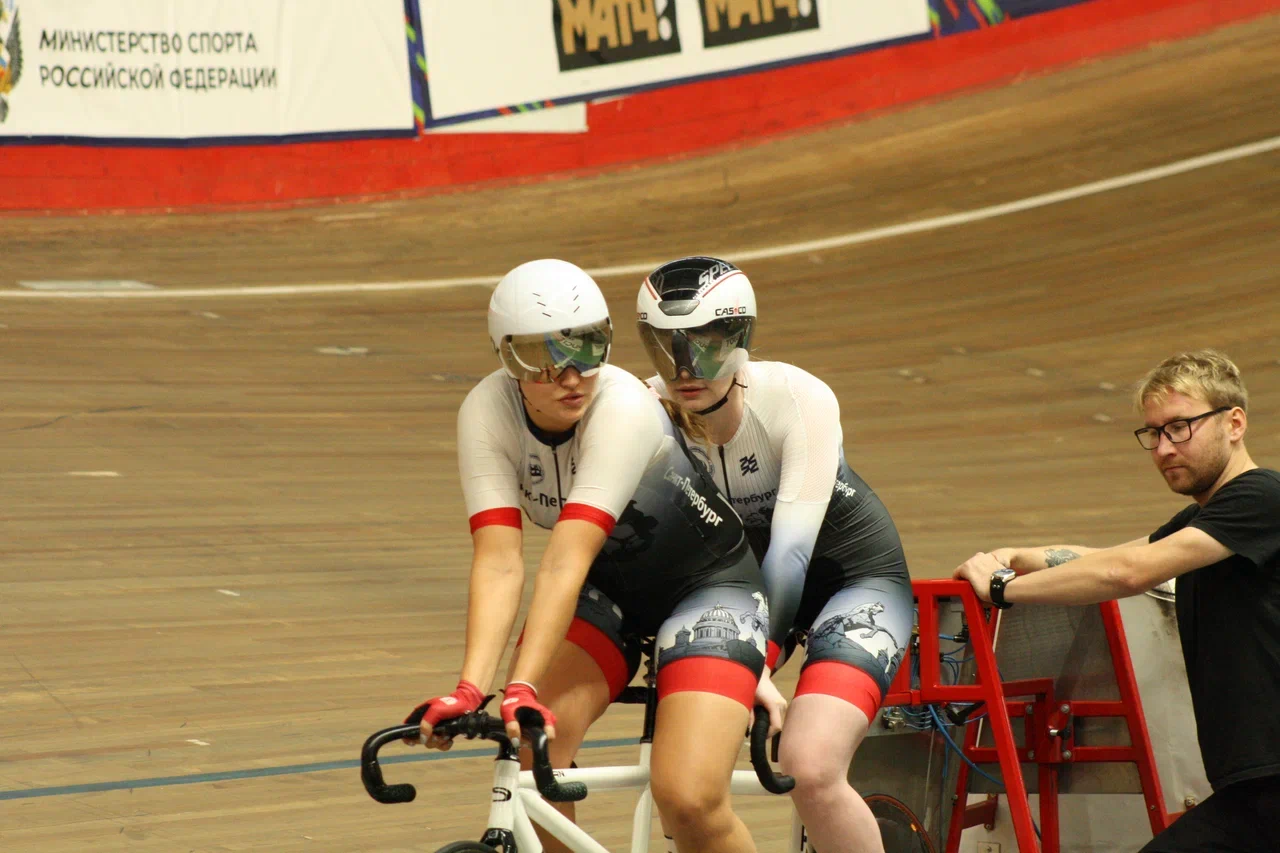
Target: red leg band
<point x="771" y="655"/>
<point x="842" y="681"/>
<point x="708" y="675"/>
<point x="602" y="650"/>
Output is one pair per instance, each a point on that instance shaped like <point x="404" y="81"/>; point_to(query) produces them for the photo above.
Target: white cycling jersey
<point x="508" y="464"/>
<point x="779" y="471"/>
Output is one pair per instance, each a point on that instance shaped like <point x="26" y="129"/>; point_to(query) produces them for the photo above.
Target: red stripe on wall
<point x="653" y="125"/>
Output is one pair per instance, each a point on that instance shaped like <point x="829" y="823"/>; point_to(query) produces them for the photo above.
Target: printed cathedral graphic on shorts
<point x="720" y="623"/>
<point x="590" y="33"/>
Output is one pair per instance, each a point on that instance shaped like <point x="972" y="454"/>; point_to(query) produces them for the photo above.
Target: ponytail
<point x="692" y="425"/>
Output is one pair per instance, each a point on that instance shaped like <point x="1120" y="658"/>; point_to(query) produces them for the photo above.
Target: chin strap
<point x="715" y="407"/>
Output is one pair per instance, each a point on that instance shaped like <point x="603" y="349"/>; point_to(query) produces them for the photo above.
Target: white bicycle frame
<point x="517" y="806"/>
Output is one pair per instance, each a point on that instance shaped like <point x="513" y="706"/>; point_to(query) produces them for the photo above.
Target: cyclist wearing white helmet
<point x="832" y="560"/>
<point x="587" y="451"/>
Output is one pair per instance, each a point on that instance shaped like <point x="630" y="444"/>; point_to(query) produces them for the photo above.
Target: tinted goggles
<point x="706" y="352"/>
<point x="543" y="357"/>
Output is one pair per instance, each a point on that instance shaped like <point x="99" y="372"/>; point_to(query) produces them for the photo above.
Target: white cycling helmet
<point x="546" y="316"/>
<point x="696" y="315"/>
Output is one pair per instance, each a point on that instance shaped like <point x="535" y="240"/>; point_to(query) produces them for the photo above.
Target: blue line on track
<point x="283" y="770"/>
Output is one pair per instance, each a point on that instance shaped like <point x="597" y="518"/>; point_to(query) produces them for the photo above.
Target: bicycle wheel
<point x="900" y="830"/>
<point x="465" y="847"/>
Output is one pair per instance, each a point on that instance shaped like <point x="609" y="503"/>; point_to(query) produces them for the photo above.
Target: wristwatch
<point x="999" y="579"/>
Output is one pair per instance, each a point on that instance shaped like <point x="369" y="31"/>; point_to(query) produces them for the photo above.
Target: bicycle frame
<point x="517" y="806"/>
<point x="517" y="795"/>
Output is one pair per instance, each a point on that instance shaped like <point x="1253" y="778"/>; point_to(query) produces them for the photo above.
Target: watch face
<point x="999" y="578"/>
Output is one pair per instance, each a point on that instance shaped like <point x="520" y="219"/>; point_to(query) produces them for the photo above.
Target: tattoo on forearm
<point x="1058" y="556"/>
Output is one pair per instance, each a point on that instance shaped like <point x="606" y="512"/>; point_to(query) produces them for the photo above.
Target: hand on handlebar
<point x="463" y="700"/>
<point x="768" y="697"/>
<point x="522" y="708"/>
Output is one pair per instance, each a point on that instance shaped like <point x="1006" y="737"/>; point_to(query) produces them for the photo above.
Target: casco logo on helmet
<point x="731" y="312"/>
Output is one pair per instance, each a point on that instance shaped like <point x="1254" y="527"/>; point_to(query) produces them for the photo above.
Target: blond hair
<point x="692" y="425"/>
<point x="1205" y="374"/>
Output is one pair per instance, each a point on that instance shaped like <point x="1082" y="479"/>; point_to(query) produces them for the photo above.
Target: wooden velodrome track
<point x="191" y="652"/>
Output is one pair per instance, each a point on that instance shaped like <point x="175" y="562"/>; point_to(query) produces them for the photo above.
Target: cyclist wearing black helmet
<point x="831" y="556"/>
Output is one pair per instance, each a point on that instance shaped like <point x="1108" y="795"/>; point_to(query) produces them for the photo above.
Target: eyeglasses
<point x="1177" y="431"/>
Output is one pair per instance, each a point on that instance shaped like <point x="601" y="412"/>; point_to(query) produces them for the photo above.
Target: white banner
<point x="175" y="69"/>
<point x="518" y="53"/>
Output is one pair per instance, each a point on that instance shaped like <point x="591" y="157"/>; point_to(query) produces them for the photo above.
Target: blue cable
<point x="943" y="730"/>
<point x="953" y="666"/>
<point x="960" y="752"/>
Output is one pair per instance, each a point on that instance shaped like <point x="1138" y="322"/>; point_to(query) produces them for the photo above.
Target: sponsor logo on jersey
<point x="759" y="498"/>
<point x="844" y="489"/>
<point x="749" y="465"/>
<point x="540" y="499"/>
<point x="699" y="455"/>
<point x="735" y="21"/>
<point x="535" y="470"/>
<point x="591" y="33"/>
<point x="696" y="500"/>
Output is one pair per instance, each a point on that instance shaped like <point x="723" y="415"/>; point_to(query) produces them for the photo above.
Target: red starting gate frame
<point x="1049" y="739"/>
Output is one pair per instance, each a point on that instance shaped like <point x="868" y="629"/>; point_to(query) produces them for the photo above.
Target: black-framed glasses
<point x="1177" y="431"/>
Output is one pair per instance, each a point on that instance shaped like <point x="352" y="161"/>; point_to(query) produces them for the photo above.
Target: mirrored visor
<point x="706" y="352"/>
<point x="543" y="357"/>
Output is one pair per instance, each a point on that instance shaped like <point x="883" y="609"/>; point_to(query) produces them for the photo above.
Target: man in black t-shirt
<point x="1224" y="549"/>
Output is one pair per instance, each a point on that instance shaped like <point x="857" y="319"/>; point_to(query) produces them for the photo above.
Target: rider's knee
<point x="818" y="784"/>
<point x="687" y="803"/>
<point x="814" y="768"/>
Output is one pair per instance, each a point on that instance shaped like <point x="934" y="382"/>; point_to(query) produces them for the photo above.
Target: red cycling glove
<point x="463" y="700"/>
<point x="521" y="695"/>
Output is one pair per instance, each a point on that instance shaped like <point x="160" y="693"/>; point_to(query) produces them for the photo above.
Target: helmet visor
<point x="706" y="352"/>
<point x="543" y="357"/>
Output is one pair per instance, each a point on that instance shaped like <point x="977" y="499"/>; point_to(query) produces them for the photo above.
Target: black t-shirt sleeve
<point x="1174" y="524"/>
<point x="1245" y="516"/>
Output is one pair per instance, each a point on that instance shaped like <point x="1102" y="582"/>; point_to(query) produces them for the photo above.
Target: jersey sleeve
<point x="1245" y="516"/>
<point x="1174" y="524"/>
<point x="793" y="531"/>
<point x="624" y="435"/>
<point x="490" y="485"/>
<point x="810" y="459"/>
